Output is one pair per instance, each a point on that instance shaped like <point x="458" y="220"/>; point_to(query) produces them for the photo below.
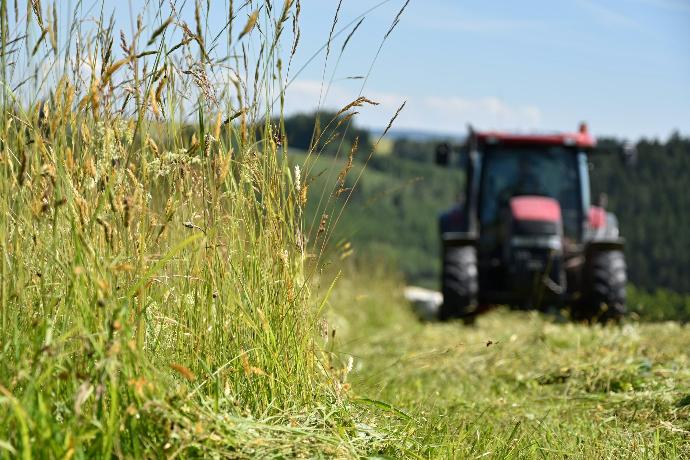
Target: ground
<point x="517" y="384"/>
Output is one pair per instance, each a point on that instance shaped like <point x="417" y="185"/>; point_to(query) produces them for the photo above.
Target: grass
<point x="154" y="277"/>
<point x="518" y="385"/>
<point x="408" y="193"/>
<point x="162" y="293"/>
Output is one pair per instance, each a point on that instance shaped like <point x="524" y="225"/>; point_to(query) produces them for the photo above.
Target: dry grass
<point x="155" y="292"/>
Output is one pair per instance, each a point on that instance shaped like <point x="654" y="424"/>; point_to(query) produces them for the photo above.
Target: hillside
<point x="391" y="218"/>
<point x="652" y="202"/>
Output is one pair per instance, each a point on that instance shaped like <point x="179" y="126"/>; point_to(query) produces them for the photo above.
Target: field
<point x="517" y="385"/>
<point x="176" y="282"/>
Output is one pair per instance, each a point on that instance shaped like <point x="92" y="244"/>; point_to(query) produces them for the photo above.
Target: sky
<point x="533" y="65"/>
<point x="621" y="66"/>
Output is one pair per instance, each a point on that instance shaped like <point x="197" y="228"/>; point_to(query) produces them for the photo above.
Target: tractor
<point x="525" y="233"/>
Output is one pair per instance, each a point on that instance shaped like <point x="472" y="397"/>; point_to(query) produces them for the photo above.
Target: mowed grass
<point x="157" y="269"/>
<point x="517" y="385"/>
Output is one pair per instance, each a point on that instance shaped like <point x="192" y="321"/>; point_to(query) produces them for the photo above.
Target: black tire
<point x="459" y="283"/>
<point x="606" y="280"/>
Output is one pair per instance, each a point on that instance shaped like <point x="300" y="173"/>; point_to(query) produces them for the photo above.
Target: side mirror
<point x="442" y="154"/>
<point x="628" y="154"/>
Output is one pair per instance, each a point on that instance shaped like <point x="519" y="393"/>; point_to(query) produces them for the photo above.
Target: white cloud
<point x="432" y="113"/>
<point x="673" y="5"/>
<point x="608" y="16"/>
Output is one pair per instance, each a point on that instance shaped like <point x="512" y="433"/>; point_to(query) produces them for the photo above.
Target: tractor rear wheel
<point x="459" y="283"/>
<point x="605" y="280"/>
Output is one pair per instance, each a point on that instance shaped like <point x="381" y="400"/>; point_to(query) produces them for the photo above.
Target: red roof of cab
<point x="581" y="139"/>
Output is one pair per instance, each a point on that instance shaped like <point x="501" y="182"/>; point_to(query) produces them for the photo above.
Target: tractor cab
<point x="527" y="231"/>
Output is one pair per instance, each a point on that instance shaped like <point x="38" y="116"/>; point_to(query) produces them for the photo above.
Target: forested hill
<point x="652" y="201"/>
<point x="392" y="215"/>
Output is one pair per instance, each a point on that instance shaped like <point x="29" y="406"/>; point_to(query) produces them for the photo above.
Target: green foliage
<point x="659" y="305"/>
<point x="323" y="132"/>
<point x="391" y="217"/>
<point x="652" y="203"/>
<point x="408" y="149"/>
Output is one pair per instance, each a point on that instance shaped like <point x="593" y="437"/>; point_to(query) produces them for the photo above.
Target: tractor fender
<point x="455" y="239"/>
<point x="453" y="220"/>
<point x="453" y="226"/>
<point x="603" y="234"/>
<point x="602" y="226"/>
<point x="613" y="244"/>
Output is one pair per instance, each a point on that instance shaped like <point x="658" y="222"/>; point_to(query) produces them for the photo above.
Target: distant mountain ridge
<point x="417" y="135"/>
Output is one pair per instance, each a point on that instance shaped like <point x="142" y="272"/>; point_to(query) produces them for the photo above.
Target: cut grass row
<point x="518" y="385"/>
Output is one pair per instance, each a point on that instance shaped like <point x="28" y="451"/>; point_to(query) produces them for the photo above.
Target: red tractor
<point x="526" y="234"/>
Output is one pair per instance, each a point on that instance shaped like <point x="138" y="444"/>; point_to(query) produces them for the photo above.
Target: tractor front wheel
<point x="604" y="290"/>
<point x="459" y="283"/>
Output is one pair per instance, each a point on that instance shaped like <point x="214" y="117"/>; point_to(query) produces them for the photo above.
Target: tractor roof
<point x="581" y="139"/>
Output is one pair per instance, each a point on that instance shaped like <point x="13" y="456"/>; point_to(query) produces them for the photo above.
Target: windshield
<point x="544" y="171"/>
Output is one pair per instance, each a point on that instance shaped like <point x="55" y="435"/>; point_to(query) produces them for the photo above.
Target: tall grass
<point x="153" y="296"/>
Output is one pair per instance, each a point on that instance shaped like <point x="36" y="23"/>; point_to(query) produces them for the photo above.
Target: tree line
<point x="392" y="215"/>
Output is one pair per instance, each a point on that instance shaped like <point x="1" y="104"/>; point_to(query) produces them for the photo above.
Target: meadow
<point x="515" y="385"/>
<point x="155" y="295"/>
<point x="163" y="293"/>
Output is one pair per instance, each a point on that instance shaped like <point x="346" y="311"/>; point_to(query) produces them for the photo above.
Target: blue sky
<point x="623" y="66"/>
